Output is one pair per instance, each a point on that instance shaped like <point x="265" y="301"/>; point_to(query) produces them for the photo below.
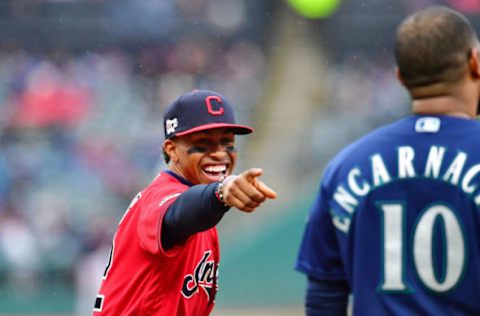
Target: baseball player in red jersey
<point x="165" y="253"/>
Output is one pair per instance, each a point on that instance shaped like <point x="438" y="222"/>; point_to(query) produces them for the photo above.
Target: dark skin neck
<point x="446" y="99"/>
<point x="440" y="105"/>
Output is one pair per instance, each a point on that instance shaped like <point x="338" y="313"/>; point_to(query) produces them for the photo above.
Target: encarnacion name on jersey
<point x="356" y="185"/>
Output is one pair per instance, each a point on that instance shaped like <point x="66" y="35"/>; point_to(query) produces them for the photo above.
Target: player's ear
<point x="474" y="62"/>
<point x="170" y="149"/>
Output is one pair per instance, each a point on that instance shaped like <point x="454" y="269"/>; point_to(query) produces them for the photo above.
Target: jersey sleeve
<point x="150" y="222"/>
<point x="319" y="255"/>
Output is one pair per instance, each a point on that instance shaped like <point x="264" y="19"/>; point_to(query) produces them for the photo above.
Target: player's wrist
<point x="219" y="191"/>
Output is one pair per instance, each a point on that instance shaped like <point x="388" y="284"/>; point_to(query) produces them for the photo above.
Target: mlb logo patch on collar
<point x="427" y="125"/>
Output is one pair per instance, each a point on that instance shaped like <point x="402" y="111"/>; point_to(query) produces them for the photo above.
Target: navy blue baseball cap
<point x="200" y="110"/>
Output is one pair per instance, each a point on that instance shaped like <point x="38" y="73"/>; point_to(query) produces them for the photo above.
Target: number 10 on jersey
<point x="420" y="247"/>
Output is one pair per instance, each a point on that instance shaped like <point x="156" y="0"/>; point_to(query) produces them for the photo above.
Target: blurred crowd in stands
<point x="364" y="93"/>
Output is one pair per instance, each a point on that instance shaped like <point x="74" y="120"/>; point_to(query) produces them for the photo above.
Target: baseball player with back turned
<point x="165" y="253"/>
<point x="397" y="220"/>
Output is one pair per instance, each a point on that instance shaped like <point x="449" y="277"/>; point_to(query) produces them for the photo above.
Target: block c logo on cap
<point x="210" y="105"/>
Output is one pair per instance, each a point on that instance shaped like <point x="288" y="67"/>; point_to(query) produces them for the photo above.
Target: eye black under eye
<point x="231" y="148"/>
<point x="226" y="141"/>
<point x="197" y="149"/>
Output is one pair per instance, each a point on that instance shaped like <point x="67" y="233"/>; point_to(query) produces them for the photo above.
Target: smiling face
<point x="202" y="157"/>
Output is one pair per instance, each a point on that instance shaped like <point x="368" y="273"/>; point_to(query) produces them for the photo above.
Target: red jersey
<point x="142" y="278"/>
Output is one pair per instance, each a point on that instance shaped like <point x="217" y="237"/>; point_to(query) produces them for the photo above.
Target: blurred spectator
<point x="20" y="253"/>
<point x="50" y="97"/>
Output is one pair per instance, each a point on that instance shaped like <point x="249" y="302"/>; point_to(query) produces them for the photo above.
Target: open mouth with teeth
<point x="215" y="172"/>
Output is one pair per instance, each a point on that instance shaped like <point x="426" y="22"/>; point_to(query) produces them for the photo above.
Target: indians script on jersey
<point x="204" y="276"/>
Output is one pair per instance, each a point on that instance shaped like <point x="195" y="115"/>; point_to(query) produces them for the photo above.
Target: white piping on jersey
<point x="167" y="198"/>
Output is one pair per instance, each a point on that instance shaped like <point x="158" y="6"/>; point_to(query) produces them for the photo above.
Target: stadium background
<point x="82" y="87"/>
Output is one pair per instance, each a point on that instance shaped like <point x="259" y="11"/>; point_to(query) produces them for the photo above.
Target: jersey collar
<point x="179" y="178"/>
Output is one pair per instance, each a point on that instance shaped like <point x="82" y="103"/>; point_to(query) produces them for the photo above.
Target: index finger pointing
<point x="266" y="190"/>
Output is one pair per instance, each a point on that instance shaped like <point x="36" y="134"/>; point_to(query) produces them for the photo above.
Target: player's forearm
<point x="326" y="298"/>
<point x="195" y="210"/>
